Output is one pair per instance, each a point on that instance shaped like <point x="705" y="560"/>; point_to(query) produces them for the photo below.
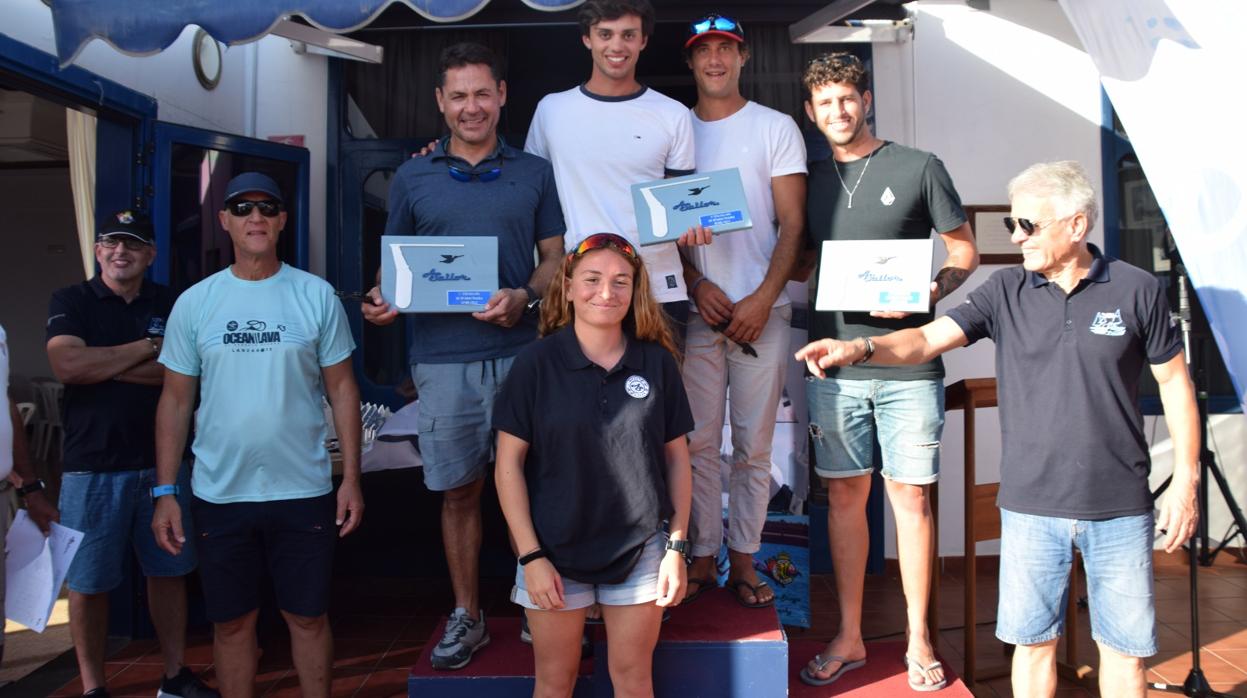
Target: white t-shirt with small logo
<point x="762" y="143"/>
<point x="601" y="146"/>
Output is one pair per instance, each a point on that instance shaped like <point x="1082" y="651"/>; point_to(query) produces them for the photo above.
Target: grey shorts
<point x="455" y="421"/>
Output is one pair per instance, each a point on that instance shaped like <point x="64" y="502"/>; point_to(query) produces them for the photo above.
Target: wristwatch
<point x="683" y="547"/>
<point x="534" y="300"/>
<point x="36" y="486"/>
<point x="161" y="490"/>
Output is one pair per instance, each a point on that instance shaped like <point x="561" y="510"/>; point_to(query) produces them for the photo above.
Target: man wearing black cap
<point x="104" y="336"/>
<point x="260" y="342"/>
<point x="738" y="282"/>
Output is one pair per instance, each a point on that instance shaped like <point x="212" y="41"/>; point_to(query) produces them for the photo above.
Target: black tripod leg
<point x="1196" y="683"/>
<point x="1235" y="512"/>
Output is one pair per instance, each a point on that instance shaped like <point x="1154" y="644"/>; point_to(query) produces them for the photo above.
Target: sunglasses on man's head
<point x="132" y="244"/>
<point x="1027" y="225"/>
<point x="600" y="241"/>
<point x="716" y="23"/>
<point x="461" y="175"/>
<point x="242" y="208"/>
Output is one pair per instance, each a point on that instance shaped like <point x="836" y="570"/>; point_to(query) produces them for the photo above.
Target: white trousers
<point x="712" y="362"/>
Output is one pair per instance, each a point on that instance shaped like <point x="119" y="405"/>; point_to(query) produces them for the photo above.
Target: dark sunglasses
<point x="1027" y="225"/>
<point x="268" y="208"/>
<point x="599" y="241"/>
<point x="716" y="23"/>
<point x="461" y="175"/>
<point x="132" y="244"/>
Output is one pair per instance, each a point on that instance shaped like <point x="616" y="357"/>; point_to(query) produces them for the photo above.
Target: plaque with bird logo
<point x="435" y="274"/>
<point x="666" y="208"/>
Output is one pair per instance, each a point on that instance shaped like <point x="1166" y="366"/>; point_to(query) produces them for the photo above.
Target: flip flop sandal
<point x="821" y="663"/>
<point x="703" y="584"/>
<point x="736" y="585"/>
<point x="914" y="670"/>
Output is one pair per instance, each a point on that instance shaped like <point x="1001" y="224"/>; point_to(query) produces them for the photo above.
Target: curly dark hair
<point x="469" y="53"/>
<point x="841" y="66"/>
<point x="595" y="11"/>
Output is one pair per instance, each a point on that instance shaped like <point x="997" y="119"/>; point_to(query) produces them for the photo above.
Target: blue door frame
<point x="166" y="135"/>
<point x="125" y="120"/>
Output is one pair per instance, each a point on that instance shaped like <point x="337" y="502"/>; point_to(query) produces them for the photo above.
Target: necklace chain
<point x="857" y="184"/>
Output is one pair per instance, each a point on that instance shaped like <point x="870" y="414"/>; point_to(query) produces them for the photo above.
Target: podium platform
<point x="712" y="647"/>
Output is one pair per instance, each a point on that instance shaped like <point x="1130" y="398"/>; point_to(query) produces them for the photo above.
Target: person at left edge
<point x="261" y="342"/>
<point x="103" y="339"/>
<point x="16" y="470"/>
<point x="472" y="183"/>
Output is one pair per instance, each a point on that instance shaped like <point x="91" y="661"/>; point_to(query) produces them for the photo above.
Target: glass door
<point x="191" y="168"/>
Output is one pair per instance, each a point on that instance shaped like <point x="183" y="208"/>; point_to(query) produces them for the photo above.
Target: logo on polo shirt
<point x="888" y="197"/>
<point x="156" y="327"/>
<point x="636" y="386"/>
<point x="1108" y="324"/>
<point x="251" y="336"/>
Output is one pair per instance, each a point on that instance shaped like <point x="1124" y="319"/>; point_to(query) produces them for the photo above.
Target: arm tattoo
<point x="949" y="279"/>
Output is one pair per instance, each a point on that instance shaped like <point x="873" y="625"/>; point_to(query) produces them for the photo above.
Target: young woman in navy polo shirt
<point x="591" y="461"/>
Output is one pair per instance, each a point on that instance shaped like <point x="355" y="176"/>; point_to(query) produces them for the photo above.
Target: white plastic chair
<point x="47" y="423"/>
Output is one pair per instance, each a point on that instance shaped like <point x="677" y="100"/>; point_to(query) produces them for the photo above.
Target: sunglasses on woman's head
<point x="599" y="241"/>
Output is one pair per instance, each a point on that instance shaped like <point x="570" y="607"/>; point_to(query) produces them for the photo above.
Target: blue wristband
<point x="161" y="490"/>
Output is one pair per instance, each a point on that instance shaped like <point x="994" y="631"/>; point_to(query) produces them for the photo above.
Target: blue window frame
<point x="193" y="167"/>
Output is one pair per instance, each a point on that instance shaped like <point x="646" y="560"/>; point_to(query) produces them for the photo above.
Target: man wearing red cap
<point x="738" y="283"/>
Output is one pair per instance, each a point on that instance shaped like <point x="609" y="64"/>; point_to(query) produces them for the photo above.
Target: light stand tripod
<point x="1196" y="684"/>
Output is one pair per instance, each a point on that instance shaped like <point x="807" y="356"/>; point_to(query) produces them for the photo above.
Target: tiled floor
<point x="381" y="625"/>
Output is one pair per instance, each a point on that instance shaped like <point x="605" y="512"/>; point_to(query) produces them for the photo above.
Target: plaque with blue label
<point x="868" y="275"/>
<point x="665" y="208"/>
<point x="435" y="274"/>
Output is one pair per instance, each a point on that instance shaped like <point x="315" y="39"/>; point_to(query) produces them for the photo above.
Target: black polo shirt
<point x="109" y="426"/>
<point x="596" y="469"/>
<point x="1068" y="369"/>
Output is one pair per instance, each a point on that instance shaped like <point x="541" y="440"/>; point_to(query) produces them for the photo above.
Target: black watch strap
<point x="683" y="547"/>
<point x="36" y="486"/>
<point x="534" y="555"/>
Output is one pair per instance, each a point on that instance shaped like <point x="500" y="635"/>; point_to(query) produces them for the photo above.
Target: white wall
<point x="990" y="93"/>
<point x="40" y="256"/>
<point x="265" y="89"/>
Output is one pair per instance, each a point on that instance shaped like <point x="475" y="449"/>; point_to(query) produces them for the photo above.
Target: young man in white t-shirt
<point x="737" y="285"/>
<point x="611" y="132"/>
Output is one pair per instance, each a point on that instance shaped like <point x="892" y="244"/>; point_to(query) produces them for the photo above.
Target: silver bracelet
<point x="870" y="351"/>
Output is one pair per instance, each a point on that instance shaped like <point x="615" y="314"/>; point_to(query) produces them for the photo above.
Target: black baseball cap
<point x="127" y="223"/>
<point x="248" y="182"/>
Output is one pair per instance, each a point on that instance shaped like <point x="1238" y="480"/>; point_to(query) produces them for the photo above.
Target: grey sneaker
<point x="185" y="685"/>
<point x="463" y="637"/>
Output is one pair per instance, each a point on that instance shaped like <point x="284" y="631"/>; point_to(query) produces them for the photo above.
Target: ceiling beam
<point x="315" y="40"/>
<point x="799" y="31"/>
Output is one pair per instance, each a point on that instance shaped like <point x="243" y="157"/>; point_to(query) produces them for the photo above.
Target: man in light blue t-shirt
<point x="261" y="342"/>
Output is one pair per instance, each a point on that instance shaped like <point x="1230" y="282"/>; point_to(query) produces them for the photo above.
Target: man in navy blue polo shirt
<point x="104" y="336"/>
<point x="472" y="183"/>
<point x="1073" y="330"/>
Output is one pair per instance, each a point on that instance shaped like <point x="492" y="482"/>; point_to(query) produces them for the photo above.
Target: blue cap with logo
<point x="248" y="182"/>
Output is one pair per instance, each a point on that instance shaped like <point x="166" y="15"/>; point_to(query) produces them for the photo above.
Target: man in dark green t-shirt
<point x="871" y="189"/>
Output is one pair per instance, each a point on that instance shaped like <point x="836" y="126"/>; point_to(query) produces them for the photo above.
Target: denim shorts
<point x="455" y="423"/>
<point x="907" y="416"/>
<point x="1036" y="553"/>
<point x="113" y="511"/>
<point x="641" y="586"/>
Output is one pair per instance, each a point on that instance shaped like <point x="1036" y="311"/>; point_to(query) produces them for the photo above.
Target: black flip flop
<point x="736" y="585"/>
<point x="703" y="583"/>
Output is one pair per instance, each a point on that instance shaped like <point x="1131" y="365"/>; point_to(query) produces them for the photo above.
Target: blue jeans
<point x="114" y="511"/>
<point x="908" y="417"/>
<point x="1036" y="553"/>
